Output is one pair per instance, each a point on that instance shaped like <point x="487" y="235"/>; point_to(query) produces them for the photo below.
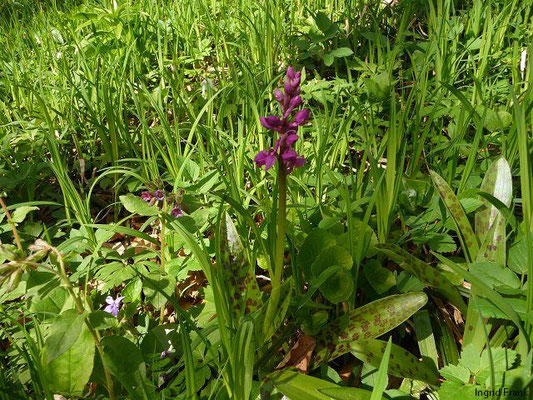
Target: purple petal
<point x="278" y="94"/>
<point x="274" y="123"/>
<point x="301" y="117"/>
<point x="146" y="196"/>
<point x="159" y="194"/>
<point x="291" y="138"/>
<point x="109" y="300"/>
<point x="111" y="309"/>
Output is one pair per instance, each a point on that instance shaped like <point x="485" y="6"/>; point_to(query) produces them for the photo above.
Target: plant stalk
<point x="279" y="255"/>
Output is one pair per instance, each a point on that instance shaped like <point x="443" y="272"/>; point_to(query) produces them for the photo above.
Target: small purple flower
<point x="267" y="158"/>
<point x="159" y="194"/>
<point x="176" y="212"/>
<point x="146" y="196"/>
<point x="113" y="305"/>
<point x="274" y="123"/>
<point x="291" y="160"/>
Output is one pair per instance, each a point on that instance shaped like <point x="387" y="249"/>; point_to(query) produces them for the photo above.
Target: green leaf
<point x="65" y="332"/>
<point x="313" y="244"/>
<point x="497" y="183"/>
<point x="69" y="373"/>
<point x="239" y="277"/>
<point x="338" y="287"/>
<point x="328" y="59"/>
<point x="382" y="380"/>
<point x="124" y="360"/>
<point x="21" y="212"/>
<point x="454" y="390"/>
<point x="428" y="275"/>
<point x="495" y="276"/>
<point x="100" y="319"/>
<point x="458" y="214"/>
<point x="329" y="256"/>
<point x="132" y="290"/>
<point x="367" y="322"/>
<point x="455" y="373"/>
<point x="136" y="205"/>
<point x="381" y="279"/>
<point x="518" y="257"/>
<point x="401" y="364"/>
<point x="341" y="52"/>
<point x="297" y="386"/>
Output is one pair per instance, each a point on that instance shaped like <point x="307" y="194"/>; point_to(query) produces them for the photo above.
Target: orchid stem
<point x="279" y="255"/>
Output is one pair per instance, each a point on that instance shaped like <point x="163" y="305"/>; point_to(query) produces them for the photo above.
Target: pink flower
<point x="146" y="196"/>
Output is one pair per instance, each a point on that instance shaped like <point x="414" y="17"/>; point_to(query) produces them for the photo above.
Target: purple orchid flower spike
<point x="113" y="305"/>
<point x="286" y="126"/>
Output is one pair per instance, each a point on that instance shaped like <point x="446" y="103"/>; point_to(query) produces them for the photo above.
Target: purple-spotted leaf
<point x="490" y="222"/>
<point x="453" y="205"/>
<point x="401" y="363"/>
<point x="245" y="296"/>
<point x="367" y="322"/>
<point x="424" y="272"/>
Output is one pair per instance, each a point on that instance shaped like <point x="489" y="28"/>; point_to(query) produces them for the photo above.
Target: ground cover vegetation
<point x="308" y="200"/>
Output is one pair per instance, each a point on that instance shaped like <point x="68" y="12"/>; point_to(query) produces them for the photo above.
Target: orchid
<point x="113" y="305"/>
<point x="286" y="126"/>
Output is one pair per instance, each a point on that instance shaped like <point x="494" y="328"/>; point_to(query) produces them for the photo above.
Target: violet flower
<point x="146" y="196"/>
<point x="176" y="212"/>
<point x="286" y="126"/>
<point x="113" y="305"/>
<point x="159" y="194"/>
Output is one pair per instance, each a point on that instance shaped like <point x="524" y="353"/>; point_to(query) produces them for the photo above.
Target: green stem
<point x="13" y="226"/>
<point x="279" y="255"/>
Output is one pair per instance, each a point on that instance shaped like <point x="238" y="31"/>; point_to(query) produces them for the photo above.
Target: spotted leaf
<point x="238" y="274"/>
<point x="424" y="272"/>
<point x="464" y="229"/>
<point x="401" y="363"/>
<point x="367" y="322"/>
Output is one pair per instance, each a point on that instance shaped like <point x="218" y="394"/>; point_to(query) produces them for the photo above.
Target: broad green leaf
<point x="132" y="290"/>
<point x="331" y="255"/>
<point x="341" y="52"/>
<point x="518" y="257"/>
<point x="367" y="322"/>
<point x="21" y="212"/>
<point x="65" y="332"/>
<point x="338" y="287"/>
<point x="453" y="205"/>
<point x="69" y="373"/>
<point x="495" y="275"/>
<point x="428" y="275"/>
<point x="136" y="205"/>
<point x="456" y="373"/>
<point x="313" y="244"/>
<point x="125" y="361"/>
<point x="101" y="319"/>
<point x="380" y="278"/>
<point x="401" y="364"/>
<point x="490" y="223"/>
<point x="238" y="273"/>
<point x="297" y="386"/>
